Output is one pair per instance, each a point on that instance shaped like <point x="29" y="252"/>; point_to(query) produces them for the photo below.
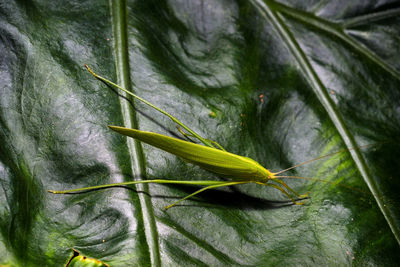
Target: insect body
<point x="241" y="170"/>
<point x="210" y="156"/>
<point x="226" y="164"/>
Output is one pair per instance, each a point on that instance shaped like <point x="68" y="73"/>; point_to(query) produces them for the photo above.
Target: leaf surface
<point x="280" y="82"/>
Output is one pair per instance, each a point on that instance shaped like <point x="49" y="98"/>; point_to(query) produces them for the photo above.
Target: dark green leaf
<point x="280" y="82"/>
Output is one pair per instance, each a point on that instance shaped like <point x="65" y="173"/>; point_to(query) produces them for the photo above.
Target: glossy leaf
<point x="280" y="82"/>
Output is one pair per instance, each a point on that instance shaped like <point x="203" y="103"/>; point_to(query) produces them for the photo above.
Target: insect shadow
<point x="232" y="199"/>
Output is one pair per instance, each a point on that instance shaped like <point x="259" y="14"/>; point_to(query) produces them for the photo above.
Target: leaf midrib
<point x="121" y="51"/>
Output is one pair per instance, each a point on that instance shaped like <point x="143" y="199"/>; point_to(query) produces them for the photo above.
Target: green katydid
<point x="210" y="156"/>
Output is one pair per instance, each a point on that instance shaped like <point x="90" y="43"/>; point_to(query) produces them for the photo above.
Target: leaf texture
<point x="280" y="82"/>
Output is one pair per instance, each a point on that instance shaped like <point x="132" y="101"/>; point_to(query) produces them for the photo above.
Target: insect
<point x="210" y="156"/>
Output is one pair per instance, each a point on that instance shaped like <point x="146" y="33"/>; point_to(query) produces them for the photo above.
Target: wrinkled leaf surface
<point x="280" y="82"/>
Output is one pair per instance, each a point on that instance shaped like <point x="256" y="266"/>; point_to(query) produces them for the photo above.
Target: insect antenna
<point x="318" y="180"/>
<point x="322" y="157"/>
<point x="276" y="175"/>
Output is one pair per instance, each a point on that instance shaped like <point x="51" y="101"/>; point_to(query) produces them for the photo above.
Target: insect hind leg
<point x="187" y="135"/>
<point x="201" y="190"/>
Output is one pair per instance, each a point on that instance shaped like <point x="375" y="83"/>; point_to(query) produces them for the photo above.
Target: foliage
<point x="280" y="82"/>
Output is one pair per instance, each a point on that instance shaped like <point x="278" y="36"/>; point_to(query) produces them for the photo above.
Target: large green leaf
<point x="287" y="82"/>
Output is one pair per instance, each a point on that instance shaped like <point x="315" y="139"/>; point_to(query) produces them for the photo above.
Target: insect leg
<point x="156" y="181"/>
<point x="216" y="145"/>
<point x="290" y="189"/>
<point x="188" y="136"/>
<point x="286" y="193"/>
<point x="203" y="189"/>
